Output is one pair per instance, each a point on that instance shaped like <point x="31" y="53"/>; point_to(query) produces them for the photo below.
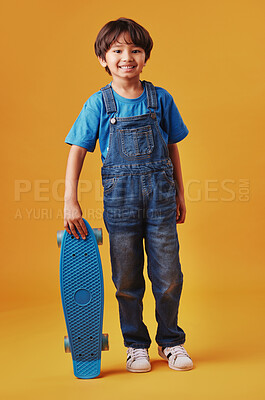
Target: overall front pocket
<point x="108" y="184"/>
<point x="137" y="142"/>
<point x="169" y="177"/>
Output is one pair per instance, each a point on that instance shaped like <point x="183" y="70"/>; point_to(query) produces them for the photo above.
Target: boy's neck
<point x="128" y="89"/>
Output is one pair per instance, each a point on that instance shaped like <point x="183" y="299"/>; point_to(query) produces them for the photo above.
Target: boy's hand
<point x="73" y="220"/>
<point x="181" y="209"/>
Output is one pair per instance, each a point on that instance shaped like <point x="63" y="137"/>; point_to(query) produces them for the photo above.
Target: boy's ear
<point x="102" y="62"/>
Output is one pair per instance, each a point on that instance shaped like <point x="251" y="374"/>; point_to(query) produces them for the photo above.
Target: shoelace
<point x="138" y="353"/>
<point x="177" y="351"/>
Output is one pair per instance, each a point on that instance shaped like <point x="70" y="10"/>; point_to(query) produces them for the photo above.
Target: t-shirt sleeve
<point x="171" y="121"/>
<point x="84" y="132"/>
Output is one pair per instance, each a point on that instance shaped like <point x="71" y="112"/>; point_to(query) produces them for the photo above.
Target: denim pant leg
<point x="164" y="268"/>
<point x="123" y="218"/>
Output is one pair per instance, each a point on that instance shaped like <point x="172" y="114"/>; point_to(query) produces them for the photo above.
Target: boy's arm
<point x="72" y="210"/>
<point x="181" y="207"/>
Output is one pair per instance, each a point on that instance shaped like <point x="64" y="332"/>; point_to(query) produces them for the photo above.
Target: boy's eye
<point x="117" y="51"/>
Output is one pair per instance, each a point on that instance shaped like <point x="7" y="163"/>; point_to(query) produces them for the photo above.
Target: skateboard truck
<point x="97" y="232"/>
<point x="105" y="343"/>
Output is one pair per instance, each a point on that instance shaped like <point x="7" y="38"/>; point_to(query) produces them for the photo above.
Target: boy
<point x="138" y="126"/>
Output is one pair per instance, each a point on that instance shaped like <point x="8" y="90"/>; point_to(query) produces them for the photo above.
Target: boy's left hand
<point x="181" y="209"/>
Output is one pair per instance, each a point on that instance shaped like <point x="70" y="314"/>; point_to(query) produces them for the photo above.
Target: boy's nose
<point x="127" y="56"/>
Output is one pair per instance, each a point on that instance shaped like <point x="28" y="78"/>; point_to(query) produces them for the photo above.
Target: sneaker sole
<point x="160" y="352"/>
<point x="138" y="370"/>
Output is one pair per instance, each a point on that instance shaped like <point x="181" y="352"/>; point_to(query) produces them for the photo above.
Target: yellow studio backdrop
<point x="209" y="56"/>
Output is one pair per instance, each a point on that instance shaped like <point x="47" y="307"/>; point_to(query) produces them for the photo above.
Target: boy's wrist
<point x="69" y="199"/>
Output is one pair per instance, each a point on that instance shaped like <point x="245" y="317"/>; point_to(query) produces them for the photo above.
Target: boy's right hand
<point x="73" y="220"/>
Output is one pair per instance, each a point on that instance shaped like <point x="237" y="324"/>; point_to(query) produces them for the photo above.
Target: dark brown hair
<point x="112" y="30"/>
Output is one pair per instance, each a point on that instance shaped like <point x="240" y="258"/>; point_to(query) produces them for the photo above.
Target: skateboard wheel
<point x="59" y="237"/>
<point x="105" y="342"/>
<point x="98" y="235"/>
<point x="67" y="345"/>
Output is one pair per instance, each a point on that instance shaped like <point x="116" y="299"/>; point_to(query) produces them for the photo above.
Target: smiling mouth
<point x="127" y="67"/>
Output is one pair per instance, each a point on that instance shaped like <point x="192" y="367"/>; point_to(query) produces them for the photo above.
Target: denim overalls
<point x="140" y="205"/>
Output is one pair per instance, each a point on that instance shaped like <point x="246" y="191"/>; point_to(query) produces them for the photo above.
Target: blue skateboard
<point x="82" y="294"/>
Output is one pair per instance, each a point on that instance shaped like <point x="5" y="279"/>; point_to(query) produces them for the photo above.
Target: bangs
<point x="136" y="37"/>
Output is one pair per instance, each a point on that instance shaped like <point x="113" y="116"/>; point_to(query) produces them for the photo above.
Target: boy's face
<point x="124" y="59"/>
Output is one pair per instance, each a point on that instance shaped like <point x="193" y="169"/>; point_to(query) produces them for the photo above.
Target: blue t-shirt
<point x="93" y="120"/>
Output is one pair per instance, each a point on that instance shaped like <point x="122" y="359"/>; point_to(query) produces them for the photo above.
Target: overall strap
<point x="151" y="95"/>
<point x="109" y="99"/>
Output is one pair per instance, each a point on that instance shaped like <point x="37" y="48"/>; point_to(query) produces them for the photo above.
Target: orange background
<point x="209" y="56"/>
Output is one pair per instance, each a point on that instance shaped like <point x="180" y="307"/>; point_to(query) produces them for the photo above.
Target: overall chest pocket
<point x="137" y="141"/>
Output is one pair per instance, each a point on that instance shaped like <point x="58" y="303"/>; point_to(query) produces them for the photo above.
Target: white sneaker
<point x="177" y="357"/>
<point x="138" y="360"/>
